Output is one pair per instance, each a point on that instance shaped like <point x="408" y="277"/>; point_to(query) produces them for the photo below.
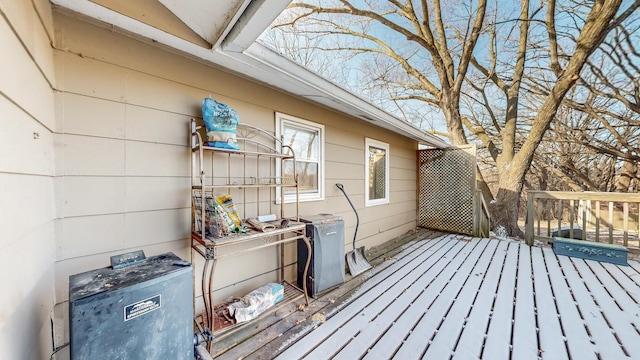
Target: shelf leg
<point x="281" y="246"/>
<point x="210" y="293"/>
<point x="211" y="303"/>
<point x="306" y="269"/>
<point x="205" y="298"/>
<point x="193" y="277"/>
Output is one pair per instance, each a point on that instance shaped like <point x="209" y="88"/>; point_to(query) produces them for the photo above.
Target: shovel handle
<point x="341" y="188"/>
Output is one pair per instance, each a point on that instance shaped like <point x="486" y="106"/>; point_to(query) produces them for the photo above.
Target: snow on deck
<point x="457" y="297"/>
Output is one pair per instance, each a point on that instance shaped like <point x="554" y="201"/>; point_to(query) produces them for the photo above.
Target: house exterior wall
<point x="27" y="176"/>
<point x="119" y="181"/>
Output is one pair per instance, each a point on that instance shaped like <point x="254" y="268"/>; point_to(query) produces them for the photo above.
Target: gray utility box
<point x="326" y="270"/>
<point x="142" y="311"/>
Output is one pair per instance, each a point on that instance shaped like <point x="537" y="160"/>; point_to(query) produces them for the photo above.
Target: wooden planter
<point x="610" y="253"/>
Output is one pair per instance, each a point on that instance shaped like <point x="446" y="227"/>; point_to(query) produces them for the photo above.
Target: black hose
<point x="355" y="234"/>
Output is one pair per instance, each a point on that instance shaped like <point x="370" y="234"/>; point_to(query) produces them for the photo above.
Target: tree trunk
<point x="504" y="213"/>
<point x="627" y="173"/>
<point x="451" y="109"/>
<point x="512" y="174"/>
<point x="450" y="105"/>
<point x="505" y="208"/>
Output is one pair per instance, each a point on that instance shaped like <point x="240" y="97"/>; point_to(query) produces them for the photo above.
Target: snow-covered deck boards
<point x="457" y="297"/>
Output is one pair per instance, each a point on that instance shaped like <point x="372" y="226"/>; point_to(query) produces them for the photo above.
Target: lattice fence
<point x="446" y="188"/>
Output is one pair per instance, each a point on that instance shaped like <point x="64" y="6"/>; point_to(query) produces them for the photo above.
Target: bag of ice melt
<point x="221" y="122"/>
<point x="256" y="302"/>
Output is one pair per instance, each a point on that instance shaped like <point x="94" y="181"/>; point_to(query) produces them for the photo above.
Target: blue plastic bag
<point x="221" y="122"/>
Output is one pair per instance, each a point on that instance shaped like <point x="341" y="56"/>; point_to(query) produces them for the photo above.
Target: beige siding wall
<point x="122" y="162"/>
<point x="27" y="124"/>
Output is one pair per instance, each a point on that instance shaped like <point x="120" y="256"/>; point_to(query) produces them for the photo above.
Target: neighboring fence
<point x="612" y="218"/>
<point x="447" y="196"/>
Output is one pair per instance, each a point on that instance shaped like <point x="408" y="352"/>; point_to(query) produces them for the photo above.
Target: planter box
<point x="610" y="253"/>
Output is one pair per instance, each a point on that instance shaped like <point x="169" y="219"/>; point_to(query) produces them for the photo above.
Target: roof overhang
<point x="223" y="33"/>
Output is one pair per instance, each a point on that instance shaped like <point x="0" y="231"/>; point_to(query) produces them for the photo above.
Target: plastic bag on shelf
<point x="214" y="223"/>
<point x="256" y="302"/>
<point x="225" y="221"/>
<point x="221" y="122"/>
<point x="225" y="201"/>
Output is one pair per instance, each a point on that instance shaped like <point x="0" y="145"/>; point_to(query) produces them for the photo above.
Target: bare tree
<point x="426" y="51"/>
<point x="599" y="117"/>
<point x="424" y="28"/>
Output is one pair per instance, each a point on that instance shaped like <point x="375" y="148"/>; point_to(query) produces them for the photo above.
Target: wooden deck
<point x="442" y="296"/>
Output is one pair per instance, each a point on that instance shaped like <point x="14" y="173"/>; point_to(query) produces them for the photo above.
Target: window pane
<point x="305" y="142"/>
<point x="377" y="175"/>
<point x="307" y="176"/>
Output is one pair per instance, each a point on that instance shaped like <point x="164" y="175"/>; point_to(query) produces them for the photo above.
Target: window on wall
<point x="376" y="172"/>
<point x="307" y="141"/>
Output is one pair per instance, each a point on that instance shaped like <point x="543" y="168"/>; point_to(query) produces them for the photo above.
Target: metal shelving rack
<point x="254" y="164"/>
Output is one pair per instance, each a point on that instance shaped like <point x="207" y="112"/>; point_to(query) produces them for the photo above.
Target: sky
<point x="358" y="72"/>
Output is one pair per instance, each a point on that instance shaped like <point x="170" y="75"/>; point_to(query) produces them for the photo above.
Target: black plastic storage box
<point x="141" y="311"/>
<point x="326" y="270"/>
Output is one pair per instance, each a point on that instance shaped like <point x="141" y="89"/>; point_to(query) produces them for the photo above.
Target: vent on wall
<point x="368" y="118"/>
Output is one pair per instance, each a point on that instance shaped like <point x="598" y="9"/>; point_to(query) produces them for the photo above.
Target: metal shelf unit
<point x="242" y="173"/>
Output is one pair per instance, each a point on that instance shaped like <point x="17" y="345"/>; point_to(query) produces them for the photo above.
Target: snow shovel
<point x="356" y="258"/>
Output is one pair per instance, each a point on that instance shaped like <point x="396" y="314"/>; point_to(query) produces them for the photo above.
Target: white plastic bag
<point x="254" y="303"/>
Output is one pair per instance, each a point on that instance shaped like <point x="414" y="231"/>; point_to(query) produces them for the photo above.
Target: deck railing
<point x="612" y="218"/>
<point x="481" y="217"/>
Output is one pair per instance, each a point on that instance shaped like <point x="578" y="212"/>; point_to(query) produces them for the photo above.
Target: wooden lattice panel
<point x="446" y="186"/>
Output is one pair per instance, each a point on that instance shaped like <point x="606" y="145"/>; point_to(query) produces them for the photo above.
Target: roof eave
<point x="320" y="90"/>
<point x="240" y="54"/>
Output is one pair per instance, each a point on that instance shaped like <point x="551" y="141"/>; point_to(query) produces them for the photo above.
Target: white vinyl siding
<point x="27" y="180"/>
<point x="103" y="166"/>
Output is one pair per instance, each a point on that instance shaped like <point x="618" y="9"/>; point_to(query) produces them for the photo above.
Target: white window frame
<point x="380" y="145"/>
<point x="284" y="119"/>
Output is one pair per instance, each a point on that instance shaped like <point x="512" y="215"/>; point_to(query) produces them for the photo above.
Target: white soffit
<point x="256" y="18"/>
<point x="211" y="19"/>
<point x="154" y="14"/>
